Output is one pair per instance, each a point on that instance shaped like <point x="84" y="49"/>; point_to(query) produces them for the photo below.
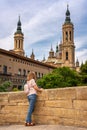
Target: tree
<point x="5" y="86"/>
<point x="83" y="68"/>
<point x="83" y="73"/>
<point x="60" y="77"/>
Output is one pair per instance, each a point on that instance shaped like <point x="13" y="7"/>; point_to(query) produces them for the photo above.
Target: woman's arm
<point x="37" y="88"/>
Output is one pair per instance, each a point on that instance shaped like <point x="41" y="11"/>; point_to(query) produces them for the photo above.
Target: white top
<point x="29" y="87"/>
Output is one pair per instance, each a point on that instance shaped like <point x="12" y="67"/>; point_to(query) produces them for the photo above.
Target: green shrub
<point x="15" y="89"/>
<point x="4" y="87"/>
<point x="60" y="77"/>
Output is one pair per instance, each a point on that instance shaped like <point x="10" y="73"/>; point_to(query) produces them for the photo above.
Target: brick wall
<point x="65" y="106"/>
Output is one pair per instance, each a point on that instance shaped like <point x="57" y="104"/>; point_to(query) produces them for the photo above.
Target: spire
<point x="51" y="52"/>
<point x="67" y="20"/>
<point x="56" y="48"/>
<point x="32" y="55"/>
<point x="19" y="30"/>
<point x="77" y="63"/>
<point x="51" y="48"/>
<point x="32" y="52"/>
<point x="44" y="58"/>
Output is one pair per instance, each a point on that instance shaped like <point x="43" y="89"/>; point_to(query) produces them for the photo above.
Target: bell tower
<point x="32" y="56"/>
<point x="51" y="53"/>
<point x="68" y="47"/>
<point x="18" y="40"/>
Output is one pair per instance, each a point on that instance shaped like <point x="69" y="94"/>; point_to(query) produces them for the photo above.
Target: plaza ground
<point x="40" y="127"/>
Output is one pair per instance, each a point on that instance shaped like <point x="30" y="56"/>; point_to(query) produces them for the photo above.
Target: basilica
<point x="14" y="65"/>
<point x="65" y="51"/>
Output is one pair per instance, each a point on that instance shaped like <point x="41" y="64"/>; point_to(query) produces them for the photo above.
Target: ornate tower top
<point x="18" y="39"/>
<point x="44" y="58"/>
<point x="51" y="52"/>
<point x="56" y="48"/>
<point x="32" y="55"/>
<point x="19" y="30"/>
<point x="51" y="48"/>
<point x="77" y="63"/>
<point x="67" y="19"/>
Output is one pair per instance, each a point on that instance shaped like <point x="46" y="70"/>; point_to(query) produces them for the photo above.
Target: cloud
<point x="80" y="42"/>
<point x="81" y="48"/>
<point x="42" y="24"/>
<point x="81" y="55"/>
<point x="6" y="43"/>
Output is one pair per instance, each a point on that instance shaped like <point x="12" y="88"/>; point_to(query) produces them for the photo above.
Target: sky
<point x="42" y="22"/>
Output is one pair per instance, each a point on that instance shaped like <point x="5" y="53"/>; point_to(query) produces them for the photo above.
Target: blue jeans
<point x="32" y="100"/>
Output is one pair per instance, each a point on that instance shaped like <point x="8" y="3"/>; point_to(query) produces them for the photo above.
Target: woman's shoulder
<point x="25" y="86"/>
<point x="31" y="81"/>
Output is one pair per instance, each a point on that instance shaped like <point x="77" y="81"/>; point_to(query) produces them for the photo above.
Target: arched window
<point x="36" y="74"/>
<point x="66" y="55"/>
<point x="39" y="74"/>
<point x="66" y="36"/>
<point x="19" y="72"/>
<point x="24" y="72"/>
<point x="19" y="43"/>
<point x="42" y="74"/>
<point x="28" y="71"/>
<point x="16" y="44"/>
<point x="70" y="35"/>
<point x="4" y="69"/>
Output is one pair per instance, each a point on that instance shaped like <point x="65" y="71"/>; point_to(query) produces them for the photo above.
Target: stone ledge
<point x="63" y="106"/>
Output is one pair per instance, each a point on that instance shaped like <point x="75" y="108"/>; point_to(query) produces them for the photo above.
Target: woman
<point x="31" y="89"/>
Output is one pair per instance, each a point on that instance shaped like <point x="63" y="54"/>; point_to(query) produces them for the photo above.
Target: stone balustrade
<point x="63" y="106"/>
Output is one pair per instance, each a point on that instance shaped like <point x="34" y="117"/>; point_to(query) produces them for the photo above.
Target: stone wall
<point x="65" y="106"/>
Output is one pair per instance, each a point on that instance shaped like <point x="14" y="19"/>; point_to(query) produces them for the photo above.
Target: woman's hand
<point x="38" y="89"/>
<point x="41" y="89"/>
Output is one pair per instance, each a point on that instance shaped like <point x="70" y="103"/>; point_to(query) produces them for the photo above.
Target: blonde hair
<point x="31" y="75"/>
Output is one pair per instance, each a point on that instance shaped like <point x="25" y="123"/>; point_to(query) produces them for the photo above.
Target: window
<point x="19" y="43"/>
<point x="28" y="72"/>
<point x="66" y="55"/>
<point x="24" y="72"/>
<point x="4" y="69"/>
<point x="42" y="74"/>
<point x="66" y="36"/>
<point x="19" y="72"/>
<point x="70" y="35"/>
<point x="15" y="43"/>
<point x="36" y="74"/>
<point x="39" y="75"/>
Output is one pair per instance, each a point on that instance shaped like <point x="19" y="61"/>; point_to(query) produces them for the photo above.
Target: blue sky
<point x="42" y="22"/>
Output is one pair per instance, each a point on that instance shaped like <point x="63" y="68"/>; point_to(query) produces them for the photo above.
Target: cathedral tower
<point x="68" y="48"/>
<point x="18" y="40"/>
<point x="32" y="56"/>
<point x="51" y="53"/>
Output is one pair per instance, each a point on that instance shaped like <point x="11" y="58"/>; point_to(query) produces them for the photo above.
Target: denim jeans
<point x="32" y="100"/>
